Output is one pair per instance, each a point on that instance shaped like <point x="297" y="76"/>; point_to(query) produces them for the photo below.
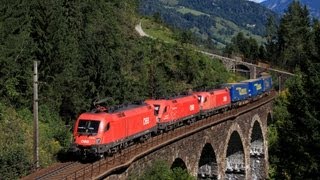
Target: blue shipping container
<point x="267" y="83"/>
<point x="238" y="91"/>
<point x="255" y="87"/>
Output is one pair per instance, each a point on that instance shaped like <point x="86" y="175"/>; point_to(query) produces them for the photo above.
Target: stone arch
<point x="256" y="136"/>
<point x="179" y="163"/>
<point x="235" y="154"/>
<point x="257" y="149"/>
<point x="208" y="167"/>
<point x="243" y="70"/>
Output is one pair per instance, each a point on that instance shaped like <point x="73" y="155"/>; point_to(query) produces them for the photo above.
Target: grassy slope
<point x="164" y="33"/>
<point x="157" y="31"/>
<point x="222" y="24"/>
<point x="185" y="10"/>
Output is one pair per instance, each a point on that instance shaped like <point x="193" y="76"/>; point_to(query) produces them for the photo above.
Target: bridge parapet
<point x="250" y="70"/>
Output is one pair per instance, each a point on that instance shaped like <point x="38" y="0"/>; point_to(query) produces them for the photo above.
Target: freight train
<point x="106" y="130"/>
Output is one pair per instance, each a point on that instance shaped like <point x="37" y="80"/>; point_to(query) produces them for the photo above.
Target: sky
<point x="257" y="1"/>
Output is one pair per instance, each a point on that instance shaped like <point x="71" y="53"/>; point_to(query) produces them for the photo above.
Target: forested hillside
<point x="294" y="133"/>
<point x="87" y="50"/>
<point x="217" y="20"/>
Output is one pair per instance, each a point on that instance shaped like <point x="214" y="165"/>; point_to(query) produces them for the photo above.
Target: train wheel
<point x="115" y="149"/>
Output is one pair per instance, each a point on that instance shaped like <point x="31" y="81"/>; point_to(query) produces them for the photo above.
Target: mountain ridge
<point x="280" y="6"/>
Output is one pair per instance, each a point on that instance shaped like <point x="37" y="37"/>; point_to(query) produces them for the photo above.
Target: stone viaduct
<point x="236" y="148"/>
<point x="250" y="70"/>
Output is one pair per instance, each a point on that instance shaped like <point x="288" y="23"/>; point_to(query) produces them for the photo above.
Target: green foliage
<point x="157" y="17"/>
<point x="281" y="115"/>
<point x="164" y="69"/>
<point x="294" y="36"/>
<point x="16" y="138"/>
<point x="14" y="157"/>
<point x="15" y="62"/>
<point x="14" y="163"/>
<point x="295" y="131"/>
<point x="294" y="134"/>
<point x="245" y="47"/>
<point x="86" y="51"/>
<point x="272" y="41"/>
<point x="181" y="174"/>
<point x="160" y="170"/>
<point x="316" y="27"/>
<point x="157" y="30"/>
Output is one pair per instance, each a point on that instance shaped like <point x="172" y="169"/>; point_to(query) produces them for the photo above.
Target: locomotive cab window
<point x="165" y="109"/>
<point x="156" y="109"/>
<point x="107" y="127"/>
<point x="199" y="99"/>
<point x="88" y="127"/>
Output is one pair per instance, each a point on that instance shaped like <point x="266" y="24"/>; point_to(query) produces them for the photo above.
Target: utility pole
<point x="35" y="116"/>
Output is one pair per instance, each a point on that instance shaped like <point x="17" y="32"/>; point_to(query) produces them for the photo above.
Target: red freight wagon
<point x="173" y="112"/>
<point x="213" y="101"/>
<point x="97" y="133"/>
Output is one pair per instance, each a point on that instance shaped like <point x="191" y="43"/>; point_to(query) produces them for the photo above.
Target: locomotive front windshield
<point x="88" y="127"/>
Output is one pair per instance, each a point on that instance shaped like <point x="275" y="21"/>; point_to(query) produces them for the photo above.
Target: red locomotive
<point x="108" y="130"/>
<point x="174" y="112"/>
<point x="213" y="101"/>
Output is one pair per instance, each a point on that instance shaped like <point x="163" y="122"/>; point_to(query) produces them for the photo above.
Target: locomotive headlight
<point x="98" y="140"/>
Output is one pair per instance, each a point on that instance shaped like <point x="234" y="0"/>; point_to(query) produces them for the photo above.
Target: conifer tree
<point x="69" y="83"/>
<point x="243" y="46"/>
<point x="298" y="136"/>
<point x="295" y="155"/>
<point x="272" y="40"/>
<point x="294" y="35"/>
<point x="15" y="57"/>
<point x="262" y="52"/>
<point x="316" y="37"/>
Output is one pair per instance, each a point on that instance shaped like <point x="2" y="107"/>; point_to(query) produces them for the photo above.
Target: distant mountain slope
<point x="281" y="5"/>
<point x="277" y="5"/>
<point x="215" y="19"/>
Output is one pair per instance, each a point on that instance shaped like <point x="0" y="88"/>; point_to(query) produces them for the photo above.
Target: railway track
<point x="123" y="159"/>
<point x="56" y="171"/>
<point x="63" y="171"/>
